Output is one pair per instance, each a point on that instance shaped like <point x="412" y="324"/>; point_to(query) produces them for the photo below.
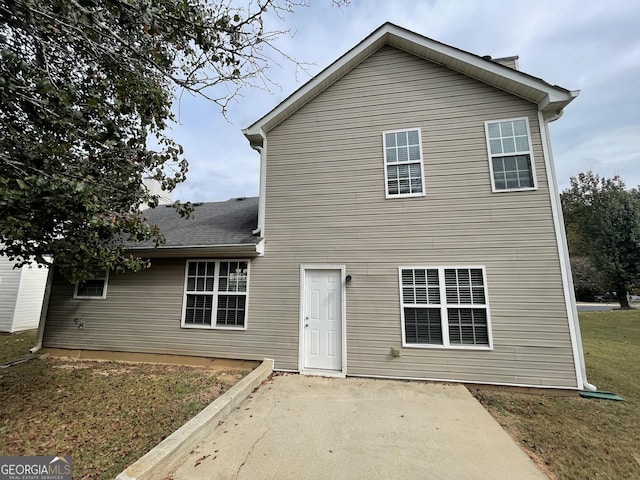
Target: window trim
<point x="105" y="278"/>
<point x="214" y="294"/>
<point x="443" y="305"/>
<point x="385" y="164"/>
<point x="491" y="156"/>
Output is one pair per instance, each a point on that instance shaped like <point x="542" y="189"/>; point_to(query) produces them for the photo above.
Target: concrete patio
<point x="300" y="427"/>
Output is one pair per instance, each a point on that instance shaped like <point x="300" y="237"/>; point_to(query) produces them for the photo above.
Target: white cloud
<point x="611" y="153"/>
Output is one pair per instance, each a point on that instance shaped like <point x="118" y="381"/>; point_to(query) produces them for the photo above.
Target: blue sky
<point x="589" y="46"/>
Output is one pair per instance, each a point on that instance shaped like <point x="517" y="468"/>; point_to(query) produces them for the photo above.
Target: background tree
<point x="86" y="86"/>
<point x="603" y="223"/>
<point x="587" y="280"/>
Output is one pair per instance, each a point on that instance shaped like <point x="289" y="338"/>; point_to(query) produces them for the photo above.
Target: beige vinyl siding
<point x="142" y="313"/>
<point x="326" y="204"/>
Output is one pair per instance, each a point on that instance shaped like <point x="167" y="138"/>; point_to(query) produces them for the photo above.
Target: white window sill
<point x="213" y="327"/>
<point x="508" y="190"/>
<point x="449" y="347"/>
<point x="405" y="195"/>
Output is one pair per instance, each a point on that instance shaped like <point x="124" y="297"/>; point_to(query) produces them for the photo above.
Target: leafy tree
<point x="86" y="86"/>
<point x="603" y="223"/>
<point x="587" y="281"/>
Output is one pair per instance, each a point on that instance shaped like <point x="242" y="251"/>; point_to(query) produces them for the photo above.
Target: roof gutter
<point x="553" y="110"/>
<point x="184" y="251"/>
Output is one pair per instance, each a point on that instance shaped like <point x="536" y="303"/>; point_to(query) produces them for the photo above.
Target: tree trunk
<point x="622" y="298"/>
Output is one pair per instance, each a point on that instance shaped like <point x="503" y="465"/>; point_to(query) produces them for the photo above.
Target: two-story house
<point x="408" y="226"/>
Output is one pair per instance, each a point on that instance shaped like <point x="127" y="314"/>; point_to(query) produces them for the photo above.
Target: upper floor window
<point x="510" y="156"/>
<point x="403" y="169"/>
<point x="216" y="294"/>
<point x="94" y="287"/>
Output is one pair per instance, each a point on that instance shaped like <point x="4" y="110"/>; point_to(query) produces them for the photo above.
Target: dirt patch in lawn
<point x="105" y="414"/>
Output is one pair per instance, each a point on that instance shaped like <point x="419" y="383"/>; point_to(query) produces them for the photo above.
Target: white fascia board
<point x="459" y="60"/>
<point x="551" y="108"/>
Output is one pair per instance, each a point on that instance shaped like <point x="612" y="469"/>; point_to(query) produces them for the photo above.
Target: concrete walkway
<point x="299" y="427"/>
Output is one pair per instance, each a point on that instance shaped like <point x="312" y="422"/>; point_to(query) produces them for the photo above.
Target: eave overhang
<point x="551" y="99"/>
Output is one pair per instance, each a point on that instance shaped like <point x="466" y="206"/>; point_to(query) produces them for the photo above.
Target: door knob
<point x="306" y="324"/>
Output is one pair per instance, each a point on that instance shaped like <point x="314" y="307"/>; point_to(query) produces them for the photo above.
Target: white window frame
<point x="215" y="295"/>
<point x="409" y="162"/>
<point x="444" y="306"/>
<point x="529" y="152"/>
<point x="104" y="278"/>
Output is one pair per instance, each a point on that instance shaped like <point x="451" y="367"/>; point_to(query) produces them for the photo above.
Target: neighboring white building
<point x="21" y="294"/>
<point x="155" y="188"/>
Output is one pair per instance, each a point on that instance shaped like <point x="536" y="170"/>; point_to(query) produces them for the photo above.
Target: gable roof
<point x="550" y="98"/>
<point x="215" y="227"/>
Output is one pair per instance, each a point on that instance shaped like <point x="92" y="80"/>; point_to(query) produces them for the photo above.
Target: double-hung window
<point x="403" y="168"/>
<point x="94" y="287"/>
<point x="215" y="294"/>
<point x="510" y="157"/>
<point x="445" y="307"/>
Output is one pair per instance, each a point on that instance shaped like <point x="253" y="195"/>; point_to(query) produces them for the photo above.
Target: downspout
<point x="563" y="251"/>
<point x="262" y="150"/>
<point x="43" y="311"/>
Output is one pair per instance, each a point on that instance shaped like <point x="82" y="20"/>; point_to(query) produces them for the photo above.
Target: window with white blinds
<point x="215" y="294"/>
<point x="444" y="307"/>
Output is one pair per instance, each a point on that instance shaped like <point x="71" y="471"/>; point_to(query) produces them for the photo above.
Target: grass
<point x="16" y="345"/>
<point x="576" y="438"/>
<point x="105" y="414"/>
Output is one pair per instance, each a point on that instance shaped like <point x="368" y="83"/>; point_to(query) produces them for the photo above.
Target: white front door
<point x="322" y="320"/>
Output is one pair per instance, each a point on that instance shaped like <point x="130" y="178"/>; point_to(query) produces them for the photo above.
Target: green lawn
<point x="575" y="438"/>
<point x="16" y="345"/>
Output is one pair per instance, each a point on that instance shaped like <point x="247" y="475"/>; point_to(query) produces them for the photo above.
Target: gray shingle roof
<point x="211" y="224"/>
